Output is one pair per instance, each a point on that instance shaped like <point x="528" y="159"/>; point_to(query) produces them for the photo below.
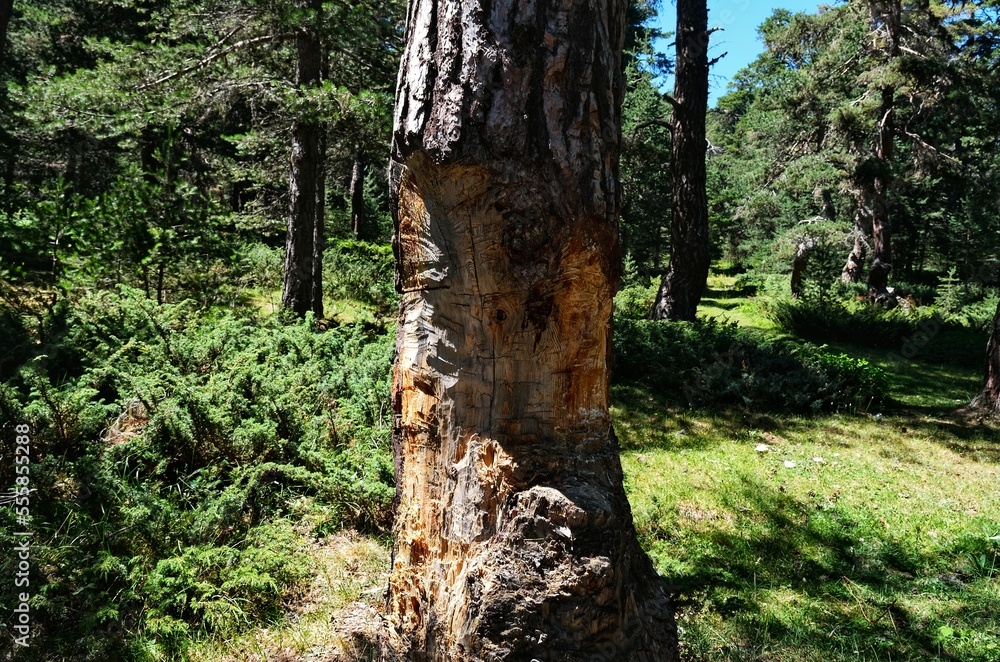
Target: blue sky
<point x="739" y="20"/>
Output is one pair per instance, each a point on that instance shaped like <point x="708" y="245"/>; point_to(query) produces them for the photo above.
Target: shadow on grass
<point x="792" y="577"/>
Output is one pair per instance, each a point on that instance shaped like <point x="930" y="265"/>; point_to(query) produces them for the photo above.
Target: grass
<point x="866" y="536"/>
<point x="725" y="301"/>
<point x="334" y="619"/>
<point x="873" y="538"/>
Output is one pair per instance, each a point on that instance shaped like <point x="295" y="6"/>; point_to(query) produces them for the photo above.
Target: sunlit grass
<point x="819" y="538"/>
<point x="329" y="621"/>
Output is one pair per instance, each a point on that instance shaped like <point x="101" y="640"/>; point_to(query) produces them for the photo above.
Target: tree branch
<point x="715" y="61"/>
<point x="672" y="101"/>
<point x="204" y="62"/>
<point x="645" y="125"/>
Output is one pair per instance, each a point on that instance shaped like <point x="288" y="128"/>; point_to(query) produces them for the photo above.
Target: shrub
<point x="164" y="457"/>
<point x="706" y="362"/>
<point x="833" y="320"/>
<point x="361" y="271"/>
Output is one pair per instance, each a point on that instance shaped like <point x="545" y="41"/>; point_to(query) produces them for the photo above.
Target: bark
<point x="358" y="195"/>
<point x="319" y="228"/>
<point x="306" y="168"/>
<point x="799" y="264"/>
<point x="6" y="11"/>
<point x="988" y="400"/>
<point x="854" y="268"/>
<point x="513" y="536"/>
<point x="887" y="14"/>
<point x="682" y="286"/>
<point x="855" y="261"/>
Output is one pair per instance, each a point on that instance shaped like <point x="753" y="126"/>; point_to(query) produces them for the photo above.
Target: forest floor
<point x="872" y="535"/>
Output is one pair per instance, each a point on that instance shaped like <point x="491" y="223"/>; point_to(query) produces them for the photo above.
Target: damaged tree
<point x="513" y="536"/>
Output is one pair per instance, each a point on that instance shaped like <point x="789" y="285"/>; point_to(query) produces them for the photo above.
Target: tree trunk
<point x="6" y="11"/>
<point x="682" y="286"/>
<point x="800" y="263"/>
<point x="513" y="536"/>
<point x="358" y="195"/>
<point x="988" y="400"/>
<point x="854" y="268"/>
<point x="319" y="228"/>
<point x="888" y="14"/>
<point x="306" y="169"/>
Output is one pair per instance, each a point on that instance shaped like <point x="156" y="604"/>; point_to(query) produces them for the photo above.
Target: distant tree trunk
<point x="319" y="229"/>
<point x="358" y="195"/>
<point x="6" y="11"/>
<point x="888" y="15"/>
<point x="682" y="286"/>
<point x="800" y="263"/>
<point x="854" y="268"/>
<point x="306" y="170"/>
<point x="988" y="400"/>
<point x="513" y="536"/>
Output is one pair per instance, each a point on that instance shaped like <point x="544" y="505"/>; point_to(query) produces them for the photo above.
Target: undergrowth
<point x="168" y="444"/>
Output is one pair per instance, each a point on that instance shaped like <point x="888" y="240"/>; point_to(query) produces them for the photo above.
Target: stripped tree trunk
<point x="799" y="264"/>
<point x="855" y="265"/>
<point x="513" y="536"/>
<point x="306" y="170"/>
<point x="686" y="277"/>
<point x="988" y="400"/>
<point x="888" y="16"/>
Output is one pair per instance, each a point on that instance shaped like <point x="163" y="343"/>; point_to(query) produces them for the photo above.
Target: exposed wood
<point x="853" y="271"/>
<point x="513" y="536"/>
<point x="800" y="262"/>
<point x="681" y="289"/>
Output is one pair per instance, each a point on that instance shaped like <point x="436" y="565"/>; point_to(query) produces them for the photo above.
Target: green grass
<point x="724" y="301"/>
<point x="872" y="538"/>
<point x="865" y="536"/>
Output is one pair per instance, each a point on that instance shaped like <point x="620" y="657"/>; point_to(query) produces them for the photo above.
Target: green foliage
<point x="361" y="271"/>
<point x="708" y="363"/>
<point x="169" y="444"/>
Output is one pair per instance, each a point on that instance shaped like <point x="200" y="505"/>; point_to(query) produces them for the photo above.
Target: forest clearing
<point x="349" y="330"/>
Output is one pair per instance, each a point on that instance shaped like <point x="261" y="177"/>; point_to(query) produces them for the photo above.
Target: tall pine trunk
<point x="686" y="277"/>
<point x="304" y="182"/>
<point x="889" y="16"/>
<point x="513" y="536"/>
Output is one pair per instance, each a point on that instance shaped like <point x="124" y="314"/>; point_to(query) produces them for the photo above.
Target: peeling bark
<point x="686" y="277"/>
<point x="513" y="536"/>
<point x="854" y="268"/>
<point x="799" y="264"/>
